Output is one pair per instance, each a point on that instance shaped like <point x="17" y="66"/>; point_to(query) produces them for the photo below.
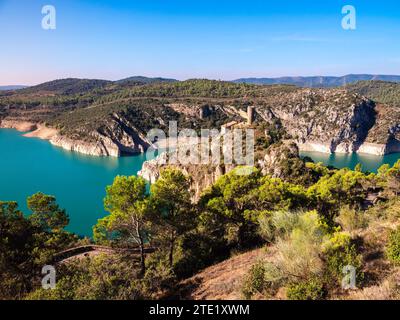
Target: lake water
<point x="369" y="162"/>
<point x="29" y="165"/>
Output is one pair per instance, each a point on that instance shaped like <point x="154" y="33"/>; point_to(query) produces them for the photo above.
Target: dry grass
<point x="388" y="289"/>
<point x="222" y="281"/>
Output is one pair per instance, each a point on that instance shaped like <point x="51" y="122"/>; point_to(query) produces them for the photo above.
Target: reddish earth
<point x="222" y="281"/>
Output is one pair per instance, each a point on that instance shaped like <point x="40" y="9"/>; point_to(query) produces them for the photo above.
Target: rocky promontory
<point x="114" y="141"/>
<point x="202" y="176"/>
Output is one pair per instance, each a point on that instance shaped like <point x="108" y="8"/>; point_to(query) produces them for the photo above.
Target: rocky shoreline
<point x="22" y="126"/>
<point x="101" y="146"/>
<point x="365" y="148"/>
<point x="349" y="134"/>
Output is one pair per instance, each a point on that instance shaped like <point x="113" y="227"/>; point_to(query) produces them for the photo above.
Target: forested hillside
<point x="379" y="91"/>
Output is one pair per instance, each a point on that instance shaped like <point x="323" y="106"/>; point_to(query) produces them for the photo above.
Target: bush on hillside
<point x="306" y="290"/>
<point x="393" y="247"/>
<point x="339" y="252"/>
<point x="351" y="219"/>
<point x="255" y="281"/>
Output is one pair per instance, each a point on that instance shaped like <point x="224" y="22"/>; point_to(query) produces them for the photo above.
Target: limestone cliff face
<point x="275" y="164"/>
<point x="275" y="158"/>
<point x="117" y="138"/>
<point x="104" y="146"/>
<point x="151" y="168"/>
<point x="122" y="134"/>
<point x="202" y="176"/>
<point x="333" y="121"/>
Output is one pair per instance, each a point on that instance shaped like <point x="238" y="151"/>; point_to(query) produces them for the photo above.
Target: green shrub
<point x="255" y="281"/>
<point x="300" y="252"/>
<point x="393" y="247"/>
<point x="307" y="290"/>
<point x="351" y="219"/>
<point x="99" y="278"/>
<point x="281" y="223"/>
<point x="385" y="210"/>
<point x="158" y="279"/>
<point x="277" y="224"/>
<point x="339" y="252"/>
<point x="299" y="237"/>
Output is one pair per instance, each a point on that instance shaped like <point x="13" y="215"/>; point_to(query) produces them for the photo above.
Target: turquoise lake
<point x="369" y="162"/>
<point x="29" y="165"/>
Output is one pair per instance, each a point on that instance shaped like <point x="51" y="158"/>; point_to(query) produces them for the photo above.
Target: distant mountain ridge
<point x="74" y="85"/>
<point x="145" y="80"/>
<point x="71" y="85"/>
<point x="16" y="87"/>
<point x="319" y="81"/>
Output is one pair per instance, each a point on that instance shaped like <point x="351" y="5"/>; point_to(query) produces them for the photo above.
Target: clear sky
<point x="182" y="39"/>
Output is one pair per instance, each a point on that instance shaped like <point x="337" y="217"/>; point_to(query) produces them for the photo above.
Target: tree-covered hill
<point x="379" y="91"/>
<point x="145" y="80"/>
<point x="66" y="86"/>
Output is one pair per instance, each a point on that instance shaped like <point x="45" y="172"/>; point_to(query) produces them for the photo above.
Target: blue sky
<point x="216" y="39"/>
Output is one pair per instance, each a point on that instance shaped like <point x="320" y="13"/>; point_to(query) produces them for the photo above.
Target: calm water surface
<point x="369" y="162"/>
<point x="29" y="165"/>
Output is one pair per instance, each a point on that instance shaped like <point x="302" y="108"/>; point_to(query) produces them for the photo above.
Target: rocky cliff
<point x="334" y="121"/>
<point x="116" y="138"/>
<point x="202" y="176"/>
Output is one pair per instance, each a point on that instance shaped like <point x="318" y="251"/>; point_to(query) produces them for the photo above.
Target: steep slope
<point x="221" y="281"/>
<point x="332" y="120"/>
<point x="224" y="281"/>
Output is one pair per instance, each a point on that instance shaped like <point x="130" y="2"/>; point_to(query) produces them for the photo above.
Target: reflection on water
<point x="369" y="162"/>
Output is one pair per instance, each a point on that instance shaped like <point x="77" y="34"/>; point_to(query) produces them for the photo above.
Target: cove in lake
<point x="29" y="165"/>
<point x="369" y="162"/>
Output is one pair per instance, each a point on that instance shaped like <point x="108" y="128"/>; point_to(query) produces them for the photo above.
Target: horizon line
<point x="206" y="78"/>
